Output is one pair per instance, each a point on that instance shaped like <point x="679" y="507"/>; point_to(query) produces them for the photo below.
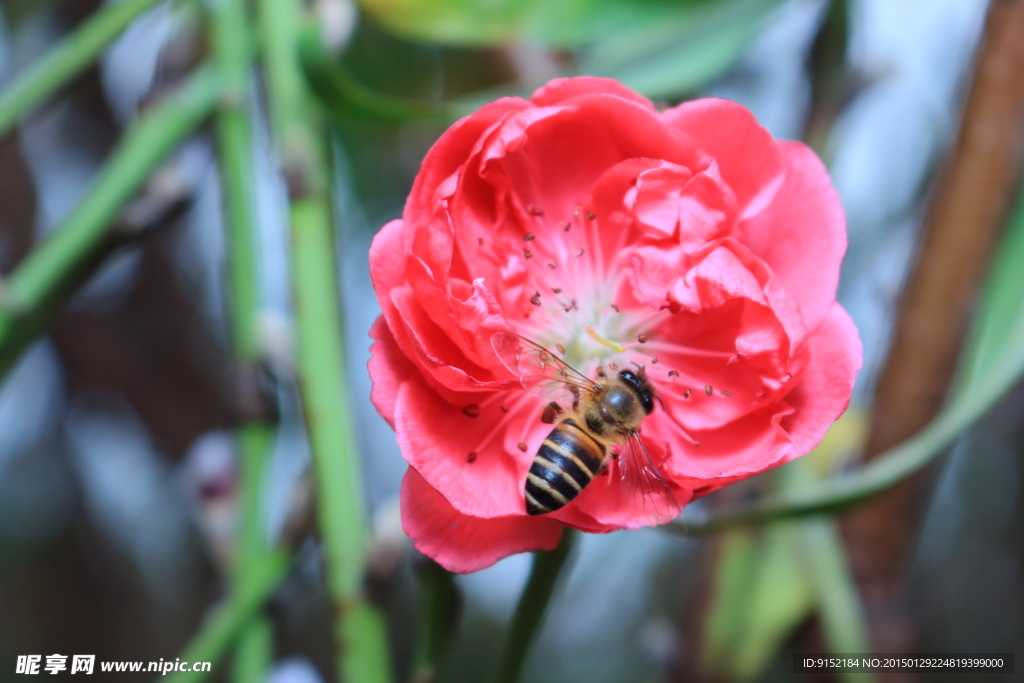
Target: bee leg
<point x="550" y="413"/>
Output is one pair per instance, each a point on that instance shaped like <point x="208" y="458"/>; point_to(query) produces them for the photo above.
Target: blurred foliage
<point x="768" y="582"/>
<point x="1001" y="302"/>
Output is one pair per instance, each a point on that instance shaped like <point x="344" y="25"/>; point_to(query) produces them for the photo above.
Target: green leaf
<point x="761" y="595"/>
<point x="473" y="23"/>
<point x="1000" y="303"/>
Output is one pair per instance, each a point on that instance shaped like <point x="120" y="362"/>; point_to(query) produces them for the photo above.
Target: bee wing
<point x="652" y="497"/>
<point x="542" y="368"/>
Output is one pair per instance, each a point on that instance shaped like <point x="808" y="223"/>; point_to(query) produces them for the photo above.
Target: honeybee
<point x="602" y="426"/>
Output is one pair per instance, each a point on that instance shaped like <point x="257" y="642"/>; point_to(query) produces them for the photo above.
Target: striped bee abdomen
<point x="567" y="461"/>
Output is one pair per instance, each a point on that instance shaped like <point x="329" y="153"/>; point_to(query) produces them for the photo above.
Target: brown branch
<point x="963" y="222"/>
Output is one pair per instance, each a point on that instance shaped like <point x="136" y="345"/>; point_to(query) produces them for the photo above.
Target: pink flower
<point x="708" y="249"/>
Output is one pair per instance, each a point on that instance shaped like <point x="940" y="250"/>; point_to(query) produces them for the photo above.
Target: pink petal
<point x="747" y="154"/>
<point x="437" y="436"/>
<point x="801" y="235"/>
<point x="561" y="89"/>
<point x="461" y="543"/>
<point x="388" y="367"/>
<point x="827" y="382"/>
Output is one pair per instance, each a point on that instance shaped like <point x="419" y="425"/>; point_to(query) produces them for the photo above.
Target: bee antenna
<point x="658" y="399"/>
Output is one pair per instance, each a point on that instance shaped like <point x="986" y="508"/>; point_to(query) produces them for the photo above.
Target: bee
<point x="602" y="426"/>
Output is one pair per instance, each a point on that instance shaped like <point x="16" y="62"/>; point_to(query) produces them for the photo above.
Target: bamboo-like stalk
<point x="51" y="273"/>
<point x="360" y="632"/>
<point x="438" y="615"/>
<point x="69" y="58"/>
<point x="533" y="606"/>
<point x="225" y="625"/>
<point x="230" y="37"/>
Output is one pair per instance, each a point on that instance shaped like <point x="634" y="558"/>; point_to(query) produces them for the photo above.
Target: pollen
<point x="529" y="237"/>
<point x="615" y="346"/>
<point x="472" y="410"/>
<point x="522" y="446"/>
<point x="471" y="458"/>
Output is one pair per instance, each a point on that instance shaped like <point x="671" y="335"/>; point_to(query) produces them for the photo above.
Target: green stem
<point x="533" y="606"/>
<point x="438" y="613"/>
<point x="360" y="632"/>
<point x="230" y="40"/>
<point x="48" y="276"/>
<point x="227" y="623"/>
<point x="70" y="57"/>
<point x="896" y="463"/>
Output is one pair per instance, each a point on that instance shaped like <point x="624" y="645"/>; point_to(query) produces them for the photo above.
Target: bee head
<point x="637" y="381"/>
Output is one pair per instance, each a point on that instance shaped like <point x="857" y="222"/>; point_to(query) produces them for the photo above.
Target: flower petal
<point x="561" y="89"/>
<point x="437" y="438"/>
<point x="827" y="382"/>
<point x="461" y="543"/>
<point x="747" y="154"/>
<point x="801" y="235"/>
<point x="389" y="367"/>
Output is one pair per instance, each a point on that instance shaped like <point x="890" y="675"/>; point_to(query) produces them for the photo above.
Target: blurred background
<point x="118" y="471"/>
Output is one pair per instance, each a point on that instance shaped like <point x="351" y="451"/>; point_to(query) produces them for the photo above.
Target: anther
<point x="472" y="410"/>
<point x="556" y="290"/>
<point x="591" y="215"/>
<point x="673" y="373"/>
<point x="579" y="253"/>
<point x="504" y="409"/>
<point x="686" y="395"/>
<point x="535" y="299"/>
<point x="561" y="349"/>
<point x="615" y="346"/>
<point x="707" y="389"/>
<point x="613" y="366"/>
<point x="552" y="265"/>
<point x="529" y="237"/>
<point x="615" y="308"/>
<point x="567" y="226"/>
<point x="471" y="457"/>
<point x="527" y="253"/>
<point x="601" y="373"/>
<point x="642" y="338"/>
<point x="480" y="241"/>
<point x="566" y="308"/>
<point x="578" y="211"/>
<point x="727" y="394"/>
<point x="535" y="210"/>
<point x="654" y="360"/>
<point x="522" y="446"/>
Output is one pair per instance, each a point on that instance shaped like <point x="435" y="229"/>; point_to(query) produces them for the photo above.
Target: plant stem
<point x="438" y="614"/>
<point x="230" y="41"/>
<point x="533" y="606"/>
<point x="49" y="275"/>
<point x="360" y="633"/>
<point x="71" y="56"/>
<point x="227" y="622"/>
